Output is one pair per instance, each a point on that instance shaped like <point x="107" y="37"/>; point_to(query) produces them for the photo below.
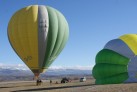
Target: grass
<point x="74" y="86"/>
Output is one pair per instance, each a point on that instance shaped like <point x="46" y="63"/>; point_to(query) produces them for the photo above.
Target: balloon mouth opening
<point x="36" y="76"/>
<point x="37" y="72"/>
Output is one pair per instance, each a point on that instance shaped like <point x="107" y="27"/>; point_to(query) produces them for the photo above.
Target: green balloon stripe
<point x="111" y="57"/>
<point x="51" y="36"/>
<point x="101" y="71"/>
<point x="55" y="38"/>
<point x="113" y="79"/>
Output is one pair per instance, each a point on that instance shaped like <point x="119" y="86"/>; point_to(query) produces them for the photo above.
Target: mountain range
<point x="22" y="70"/>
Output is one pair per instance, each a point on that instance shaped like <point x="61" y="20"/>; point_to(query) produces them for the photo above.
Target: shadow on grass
<point x="4" y="87"/>
<point x="17" y="86"/>
<point x="52" y="88"/>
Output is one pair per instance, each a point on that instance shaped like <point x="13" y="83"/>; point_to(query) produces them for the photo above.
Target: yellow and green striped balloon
<point x="38" y="34"/>
<point x="117" y="61"/>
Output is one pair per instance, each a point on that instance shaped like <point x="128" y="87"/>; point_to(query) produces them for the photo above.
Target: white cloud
<point x="1" y="64"/>
<point x="72" y="67"/>
<point x="24" y="67"/>
<point x="13" y="66"/>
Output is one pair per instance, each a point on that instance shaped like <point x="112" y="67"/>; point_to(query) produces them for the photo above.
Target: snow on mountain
<point x="70" y="67"/>
<point x="20" y="69"/>
<point x="14" y="67"/>
<point x="24" y="67"/>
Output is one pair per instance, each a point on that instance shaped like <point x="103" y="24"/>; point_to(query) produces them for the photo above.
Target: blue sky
<point x="92" y="24"/>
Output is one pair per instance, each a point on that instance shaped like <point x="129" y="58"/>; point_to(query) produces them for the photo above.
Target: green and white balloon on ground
<point x="117" y="61"/>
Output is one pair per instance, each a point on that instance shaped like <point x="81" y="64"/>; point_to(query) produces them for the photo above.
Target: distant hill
<point x="21" y="72"/>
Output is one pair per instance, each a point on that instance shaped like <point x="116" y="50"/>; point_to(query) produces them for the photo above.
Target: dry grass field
<point x="74" y="86"/>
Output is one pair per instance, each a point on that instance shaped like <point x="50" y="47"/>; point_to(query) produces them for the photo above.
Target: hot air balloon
<point x="38" y="34"/>
<point x="117" y="61"/>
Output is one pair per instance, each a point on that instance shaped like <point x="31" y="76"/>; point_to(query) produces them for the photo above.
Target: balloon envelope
<point x="117" y="61"/>
<point x="38" y="34"/>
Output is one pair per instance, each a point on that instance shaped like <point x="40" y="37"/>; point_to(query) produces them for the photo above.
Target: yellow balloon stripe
<point x="22" y="31"/>
<point x="13" y="30"/>
<point x="33" y="37"/>
<point x="131" y="41"/>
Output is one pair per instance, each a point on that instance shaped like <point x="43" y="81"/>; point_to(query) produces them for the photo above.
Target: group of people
<point x="64" y="80"/>
<point x="38" y="82"/>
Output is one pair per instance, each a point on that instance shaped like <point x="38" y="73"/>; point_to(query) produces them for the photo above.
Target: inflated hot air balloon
<point x="117" y="61"/>
<point x="38" y="34"/>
